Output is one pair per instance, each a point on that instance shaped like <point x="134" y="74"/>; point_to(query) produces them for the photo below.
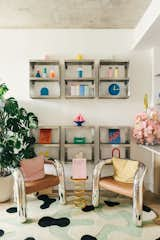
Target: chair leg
<point x="95" y="198"/>
<point x="61" y="186"/>
<point x="20" y="195"/>
<point x="138" y="207"/>
<point x="95" y="192"/>
<point x="62" y="194"/>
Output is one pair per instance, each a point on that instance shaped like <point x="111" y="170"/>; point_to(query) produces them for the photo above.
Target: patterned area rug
<point x="111" y="221"/>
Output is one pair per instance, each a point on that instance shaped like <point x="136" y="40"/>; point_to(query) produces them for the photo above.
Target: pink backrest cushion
<point x="33" y="169"/>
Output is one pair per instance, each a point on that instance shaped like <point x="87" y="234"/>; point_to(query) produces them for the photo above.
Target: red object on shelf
<point x="45" y="136"/>
<point x="116" y="152"/>
<point x="79" y="118"/>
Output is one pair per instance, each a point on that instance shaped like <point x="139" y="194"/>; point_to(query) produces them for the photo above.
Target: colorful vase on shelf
<point x="44" y="72"/>
<point x="110" y="72"/>
<point x="116" y="72"/>
<point x="79" y="120"/>
<point x="52" y="74"/>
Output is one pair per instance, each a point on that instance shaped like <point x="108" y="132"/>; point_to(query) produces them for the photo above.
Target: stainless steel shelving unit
<point x="76" y="86"/>
<point x="50" y="85"/>
<point x="52" y="149"/>
<point x="106" y="147"/>
<point x="113" y="80"/>
<point x="70" y="149"/>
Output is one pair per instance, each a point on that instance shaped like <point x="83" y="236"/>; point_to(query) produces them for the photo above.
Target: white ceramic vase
<point x="6" y="188"/>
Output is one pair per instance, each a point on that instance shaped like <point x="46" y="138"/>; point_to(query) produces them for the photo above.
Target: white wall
<point x="18" y="46"/>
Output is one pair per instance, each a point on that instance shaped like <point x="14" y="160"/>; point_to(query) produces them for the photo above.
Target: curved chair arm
<point x="138" y="193"/>
<point x="60" y="173"/>
<point x="96" y="177"/>
<point x="20" y="194"/>
<point x="139" y="175"/>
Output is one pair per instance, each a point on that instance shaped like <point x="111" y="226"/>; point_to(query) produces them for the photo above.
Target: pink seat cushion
<point x="33" y="169"/>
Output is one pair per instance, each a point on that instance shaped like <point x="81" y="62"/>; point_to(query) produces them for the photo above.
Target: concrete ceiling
<point x="71" y="13"/>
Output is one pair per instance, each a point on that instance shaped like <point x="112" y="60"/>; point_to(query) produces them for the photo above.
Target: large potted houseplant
<point x="16" y="141"/>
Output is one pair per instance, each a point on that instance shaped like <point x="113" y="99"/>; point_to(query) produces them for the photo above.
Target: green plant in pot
<point x="16" y="140"/>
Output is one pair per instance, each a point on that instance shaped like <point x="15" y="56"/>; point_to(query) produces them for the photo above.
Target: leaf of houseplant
<point x="11" y="106"/>
<point x="3" y="90"/>
<point x="13" y="124"/>
<point x="32" y="120"/>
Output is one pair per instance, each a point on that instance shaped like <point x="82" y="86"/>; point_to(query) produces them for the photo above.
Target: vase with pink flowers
<point x="147" y="127"/>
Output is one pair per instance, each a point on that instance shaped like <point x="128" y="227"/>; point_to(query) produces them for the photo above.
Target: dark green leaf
<point x="3" y="89"/>
<point x="13" y="124"/>
<point x="11" y="106"/>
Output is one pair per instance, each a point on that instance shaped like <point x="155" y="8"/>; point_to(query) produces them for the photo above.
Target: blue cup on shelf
<point x="80" y="72"/>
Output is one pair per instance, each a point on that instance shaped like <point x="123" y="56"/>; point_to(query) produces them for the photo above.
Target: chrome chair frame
<point x="137" y="189"/>
<point x="20" y="192"/>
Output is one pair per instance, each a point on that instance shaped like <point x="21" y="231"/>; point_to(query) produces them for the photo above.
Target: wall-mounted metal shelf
<point x="113" y="81"/>
<point x="45" y="79"/>
<point x="64" y="144"/>
<point x="114" y="141"/>
<point x="79" y="79"/>
<point x="48" y="142"/>
<point x="79" y="62"/>
<point x="72" y="146"/>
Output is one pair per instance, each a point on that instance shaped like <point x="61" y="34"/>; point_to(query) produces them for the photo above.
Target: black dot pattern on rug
<point x="1" y="232"/>
<point x="12" y="210"/>
<point x="111" y="204"/>
<point x="88" y="208"/>
<point x="49" y="221"/>
<point x="47" y="201"/>
<point x="157" y="238"/>
<point x="88" y="237"/>
<point x="29" y="238"/>
<point x="146" y="209"/>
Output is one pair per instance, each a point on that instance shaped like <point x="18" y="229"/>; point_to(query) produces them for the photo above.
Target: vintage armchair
<point x="22" y="187"/>
<point x="133" y="190"/>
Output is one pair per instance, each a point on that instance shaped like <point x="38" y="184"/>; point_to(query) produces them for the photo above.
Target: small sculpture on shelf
<point x="79" y="120"/>
<point x="44" y="91"/>
<point x="52" y="74"/>
<point x="79" y="57"/>
<point x="38" y="75"/>
<point x="80" y="72"/>
<point x="110" y="72"/>
<point x="116" y="72"/>
<point x="44" y="72"/>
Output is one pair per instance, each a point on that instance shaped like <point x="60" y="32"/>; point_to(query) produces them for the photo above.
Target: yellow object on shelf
<point x="79" y="57"/>
<point x="116" y="72"/>
<point x="146" y="102"/>
<point x="44" y="153"/>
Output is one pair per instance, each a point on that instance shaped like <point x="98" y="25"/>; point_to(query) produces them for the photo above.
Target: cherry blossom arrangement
<point x="147" y="127"/>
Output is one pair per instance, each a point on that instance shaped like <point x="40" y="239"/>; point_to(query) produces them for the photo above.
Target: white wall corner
<point x="146" y="23"/>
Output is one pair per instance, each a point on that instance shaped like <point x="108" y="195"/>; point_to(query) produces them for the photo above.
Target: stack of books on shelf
<point x="79" y="90"/>
<point x="114" y="136"/>
<point x="45" y="136"/>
